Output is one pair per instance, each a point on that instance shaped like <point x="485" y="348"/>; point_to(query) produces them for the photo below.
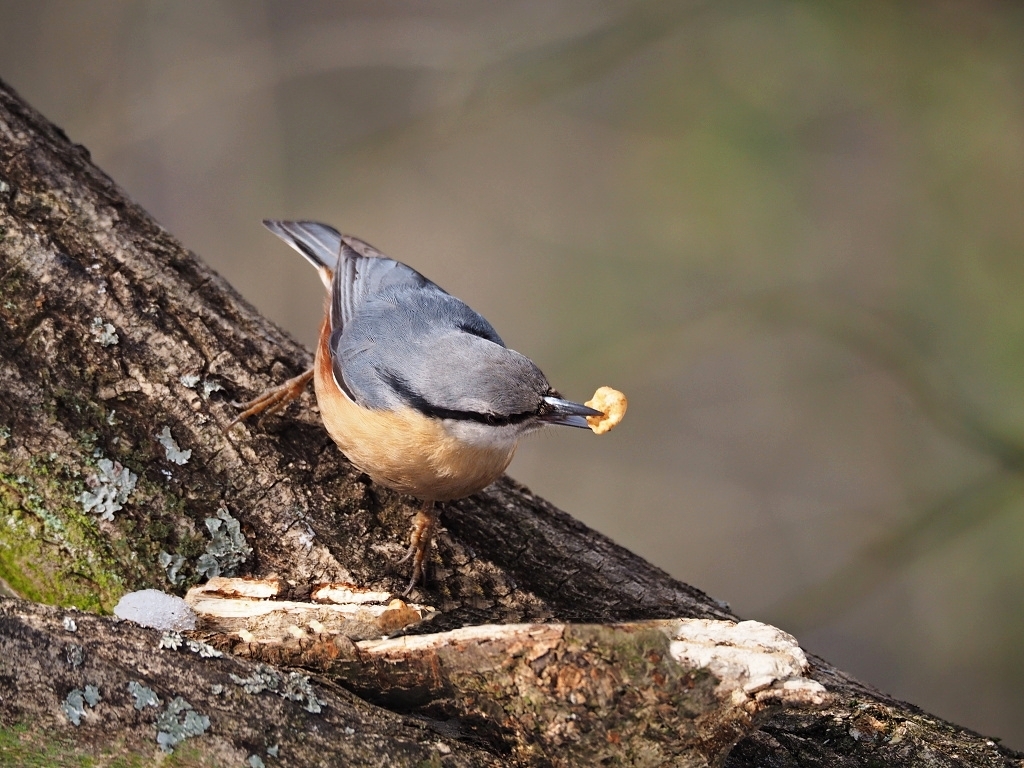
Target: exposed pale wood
<point x="668" y="692"/>
<point x="240" y="608"/>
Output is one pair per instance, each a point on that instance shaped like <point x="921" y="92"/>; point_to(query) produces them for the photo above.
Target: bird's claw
<point x="423" y="527"/>
<point x="273" y="400"/>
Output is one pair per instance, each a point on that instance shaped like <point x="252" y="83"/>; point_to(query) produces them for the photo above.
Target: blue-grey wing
<point x="363" y="274"/>
<point x="386" y="316"/>
<point x="433" y="353"/>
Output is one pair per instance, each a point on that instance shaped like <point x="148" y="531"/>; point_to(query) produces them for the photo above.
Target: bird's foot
<point x="423" y="527"/>
<point x="275" y="399"/>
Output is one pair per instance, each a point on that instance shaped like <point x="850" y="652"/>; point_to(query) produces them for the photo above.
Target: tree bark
<point x="120" y="356"/>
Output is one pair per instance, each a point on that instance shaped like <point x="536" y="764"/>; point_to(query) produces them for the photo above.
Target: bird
<point x="416" y="388"/>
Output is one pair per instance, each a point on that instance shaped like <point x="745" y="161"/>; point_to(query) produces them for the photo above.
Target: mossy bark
<point x="77" y="256"/>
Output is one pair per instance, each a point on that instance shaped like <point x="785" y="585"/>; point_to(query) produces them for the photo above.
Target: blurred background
<point x="791" y="232"/>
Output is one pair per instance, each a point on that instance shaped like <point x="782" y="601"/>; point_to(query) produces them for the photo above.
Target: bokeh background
<point x="791" y="232"/>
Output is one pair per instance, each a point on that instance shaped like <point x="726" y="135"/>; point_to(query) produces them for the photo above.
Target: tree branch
<point x="120" y="356"/>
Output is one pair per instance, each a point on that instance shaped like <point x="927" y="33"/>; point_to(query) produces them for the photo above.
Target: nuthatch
<point x="416" y="388"/>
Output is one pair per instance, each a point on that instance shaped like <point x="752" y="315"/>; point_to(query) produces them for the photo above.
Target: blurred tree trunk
<point x="120" y="355"/>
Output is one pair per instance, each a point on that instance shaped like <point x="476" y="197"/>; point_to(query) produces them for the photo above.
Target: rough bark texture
<point x="110" y="332"/>
<point x="43" y="660"/>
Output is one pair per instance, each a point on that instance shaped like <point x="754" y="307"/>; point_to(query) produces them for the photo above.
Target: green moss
<point x="50" y="550"/>
<point x="22" y="747"/>
<point x="30" y="748"/>
<point x="13" y="281"/>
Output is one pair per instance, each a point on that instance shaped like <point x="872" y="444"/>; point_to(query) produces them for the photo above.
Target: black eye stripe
<point x="483" y="418"/>
<point x="421" y="404"/>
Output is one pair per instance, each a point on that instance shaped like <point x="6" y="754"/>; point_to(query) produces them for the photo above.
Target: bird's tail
<point x="318" y="243"/>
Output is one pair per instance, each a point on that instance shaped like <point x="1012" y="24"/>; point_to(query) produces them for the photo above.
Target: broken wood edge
<point x="246" y="609"/>
<point x="674" y="689"/>
<point x="755" y="664"/>
<point x="669" y="691"/>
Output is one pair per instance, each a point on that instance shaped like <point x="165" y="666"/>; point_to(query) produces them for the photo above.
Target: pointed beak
<point x="567" y="413"/>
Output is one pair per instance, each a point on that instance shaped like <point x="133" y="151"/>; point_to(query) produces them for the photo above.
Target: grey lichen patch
<point x="74" y="707"/>
<point x="209" y="387"/>
<point x="75" y="703"/>
<point x="191" y="380"/>
<point x="298" y="688"/>
<point x="227" y="549"/>
<point x="74" y="654"/>
<point x="172" y="566"/>
<point x="172" y="641"/>
<point x="204" y="650"/>
<point x="144" y="697"/>
<point x="292" y="686"/>
<point x="111" y="486"/>
<point x="173" y="452"/>
<point x="263" y="678"/>
<point x="103" y="333"/>
<point x="178" y="722"/>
